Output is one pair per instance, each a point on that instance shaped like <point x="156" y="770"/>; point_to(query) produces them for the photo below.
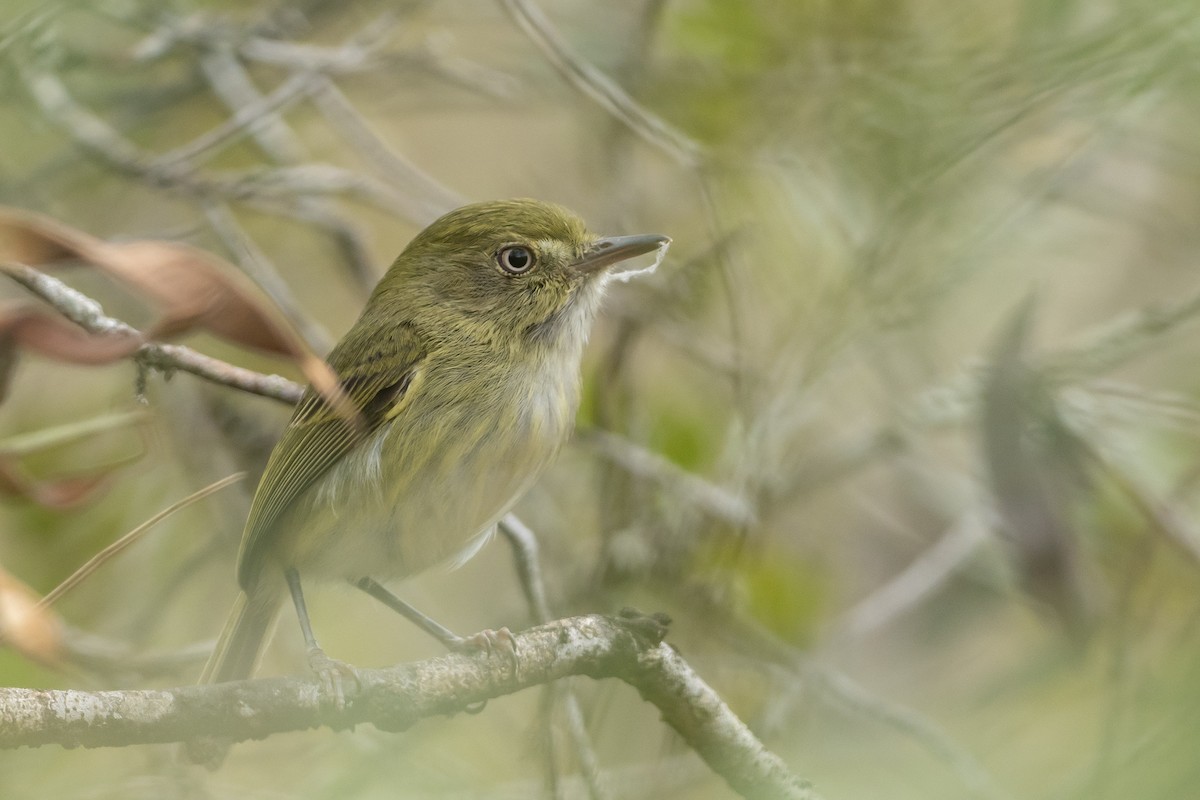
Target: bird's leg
<point x="330" y="671"/>
<point x="488" y="641"/>
<point x="449" y="638"/>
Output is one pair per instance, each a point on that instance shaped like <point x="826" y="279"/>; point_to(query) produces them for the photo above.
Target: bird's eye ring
<point x="515" y="259"/>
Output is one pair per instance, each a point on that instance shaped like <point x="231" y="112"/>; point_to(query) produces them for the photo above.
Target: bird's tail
<point x="242" y="640"/>
<point x="235" y="657"/>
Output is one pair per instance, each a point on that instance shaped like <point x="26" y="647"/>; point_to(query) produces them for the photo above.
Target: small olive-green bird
<point x="464" y="372"/>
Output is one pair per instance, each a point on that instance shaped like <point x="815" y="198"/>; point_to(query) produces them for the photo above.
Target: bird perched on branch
<point x="462" y="381"/>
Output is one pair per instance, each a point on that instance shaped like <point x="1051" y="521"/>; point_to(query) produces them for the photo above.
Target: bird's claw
<point x="491" y="642"/>
<point x="333" y="675"/>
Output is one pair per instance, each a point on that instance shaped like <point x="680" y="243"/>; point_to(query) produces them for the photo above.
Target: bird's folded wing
<point x="376" y="369"/>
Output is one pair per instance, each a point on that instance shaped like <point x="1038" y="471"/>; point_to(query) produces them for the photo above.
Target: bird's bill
<point x="611" y="249"/>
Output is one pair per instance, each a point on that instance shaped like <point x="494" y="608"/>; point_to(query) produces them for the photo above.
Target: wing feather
<point x="375" y="369"/>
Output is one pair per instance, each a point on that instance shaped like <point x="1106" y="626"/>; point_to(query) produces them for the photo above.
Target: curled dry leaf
<point x="59" y="493"/>
<point x="193" y="288"/>
<point x="29" y="628"/>
<point x="26" y="327"/>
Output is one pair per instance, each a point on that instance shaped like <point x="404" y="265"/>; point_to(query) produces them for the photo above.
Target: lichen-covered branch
<point x="628" y="648"/>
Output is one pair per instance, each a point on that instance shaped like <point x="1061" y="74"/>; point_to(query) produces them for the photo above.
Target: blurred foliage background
<point x="902" y="433"/>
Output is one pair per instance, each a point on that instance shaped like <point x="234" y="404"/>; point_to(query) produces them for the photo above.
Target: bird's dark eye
<point x="515" y="259"/>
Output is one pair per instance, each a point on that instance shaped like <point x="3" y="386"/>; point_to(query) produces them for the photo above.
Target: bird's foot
<point x="489" y="642"/>
<point x="334" y="675"/>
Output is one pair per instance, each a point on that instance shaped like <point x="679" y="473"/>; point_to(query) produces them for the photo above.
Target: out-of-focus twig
<point x="1174" y="524"/>
<point x="1120" y="339"/>
<point x="840" y="688"/>
<point x="429" y="199"/>
<point x="754" y="640"/>
<point x="101" y="656"/>
<point x="25" y="443"/>
<point x="599" y="87"/>
<point x="258" y="266"/>
<point x="278" y="187"/>
<point x="1098" y="351"/>
<point x="525" y="554"/>
<point x="360" y="52"/>
<point x="232" y="83"/>
<point x="703" y="495"/>
<point x="920" y="579"/>
<point x="249" y="118"/>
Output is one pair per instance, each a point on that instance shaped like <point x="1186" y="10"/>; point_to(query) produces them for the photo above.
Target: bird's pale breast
<point x="438" y="478"/>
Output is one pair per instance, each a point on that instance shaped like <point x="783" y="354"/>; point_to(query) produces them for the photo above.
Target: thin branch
<point x="233" y="84"/>
<point x="88" y="314"/>
<point x="396" y="698"/>
<point x="603" y="90"/>
<point x="114" y="659"/>
<point x="837" y="686"/>
<point x="23" y="444"/>
<point x="714" y="500"/>
<point x="248" y="119"/>
<point x="359" y="53"/>
<point x="428" y="198"/>
<point x="525" y="554"/>
<point x="924" y="576"/>
<point x="828" y="683"/>
<point x="1124" y="336"/>
<point x="259" y="266"/>
<point x="278" y="187"/>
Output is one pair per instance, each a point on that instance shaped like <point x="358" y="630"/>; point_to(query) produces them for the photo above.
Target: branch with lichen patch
<point x="629" y="648"/>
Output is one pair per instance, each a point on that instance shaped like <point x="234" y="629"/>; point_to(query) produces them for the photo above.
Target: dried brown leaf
<point x="193" y="289"/>
<point x="26" y="327"/>
<point x="29" y="628"/>
<point x="59" y="493"/>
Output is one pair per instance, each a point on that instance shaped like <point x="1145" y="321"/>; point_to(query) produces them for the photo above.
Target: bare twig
<point x="232" y="83"/>
<point x="258" y="265"/>
<point x="840" y="688"/>
<point x="274" y="190"/>
<point x="919" y="580"/>
<point x="525" y="554"/>
<point x="599" y="87"/>
<point x="397" y="698"/>
<point x="23" y="444"/>
<point x="1121" y="338"/>
<point x="360" y="52"/>
<point x="713" y="500"/>
<point x="830" y="684"/>
<point x="101" y="656"/>
<point x="87" y="313"/>
<point x="1099" y="351"/>
<point x="429" y="199"/>
<point x="248" y="119"/>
